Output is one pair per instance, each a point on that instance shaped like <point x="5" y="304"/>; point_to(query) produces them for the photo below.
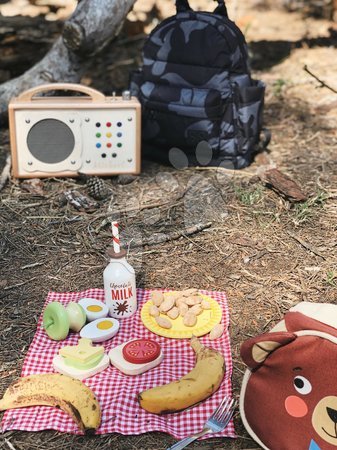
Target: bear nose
<point x="332" y="413"/>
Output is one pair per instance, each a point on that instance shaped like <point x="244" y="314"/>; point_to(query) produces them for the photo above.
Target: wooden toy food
<point x="100" y="330"/>
<point x="180" y="314"/>
<point x="137" y="356"/>
<point x="58" y="319"/>
<point x="216" y="331"/>
<point x="119" y="281"/>
<point x="197" y="385"/>
<point x="94" y="309"/>
<point x="81" y="361"/>
<point x="54" y="389"/>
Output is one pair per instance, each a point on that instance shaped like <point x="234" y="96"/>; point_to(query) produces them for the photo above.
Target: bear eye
<point x="302" y="385"/>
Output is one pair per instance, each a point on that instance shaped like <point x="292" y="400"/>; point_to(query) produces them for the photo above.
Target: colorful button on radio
<point x="108" y="135"/>
<point x="119" y="144"/>
<point x="108" y="124"/>
<point x="119" y="124"/>
<point x="98" y="145"/>
<point x="119" y="134"/>
<point x="98" y="124"/>
<point x="98" y="135"/>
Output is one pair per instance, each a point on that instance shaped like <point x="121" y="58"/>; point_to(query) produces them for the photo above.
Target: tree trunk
<point x="93" y="25"/>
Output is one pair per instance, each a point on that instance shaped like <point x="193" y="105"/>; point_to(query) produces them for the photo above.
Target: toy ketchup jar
<point x="120" y="285"/>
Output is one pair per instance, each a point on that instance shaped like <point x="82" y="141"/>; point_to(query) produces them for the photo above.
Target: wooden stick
<point x="6" y="288"/>
<point x="10" y="445"/>
<point x="238" y="173"/>
<point x="163" y="237"/>
<point x="306" y="245"/>
<point x="322" y="83"/>
<point x="5" y="172"/>
<point x="93" y="25"/>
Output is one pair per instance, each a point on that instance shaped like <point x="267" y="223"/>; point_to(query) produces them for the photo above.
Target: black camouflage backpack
<point x="195" y="86"/>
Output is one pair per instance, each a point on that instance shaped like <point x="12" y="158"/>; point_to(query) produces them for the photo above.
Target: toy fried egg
<point x="100" y="330"/>
<point x="94" y="309"/>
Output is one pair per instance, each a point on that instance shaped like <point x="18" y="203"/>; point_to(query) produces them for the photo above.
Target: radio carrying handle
<point x="28" y="95"/>
<point x="183" y="6"/>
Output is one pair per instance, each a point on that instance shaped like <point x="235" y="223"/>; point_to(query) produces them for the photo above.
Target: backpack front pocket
<point x="181" y="117"/>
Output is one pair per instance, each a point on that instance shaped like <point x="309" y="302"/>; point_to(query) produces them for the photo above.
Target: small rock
<point x="126" y="179"/>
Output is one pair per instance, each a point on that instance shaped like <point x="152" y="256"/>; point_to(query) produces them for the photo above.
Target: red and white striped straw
<point x="115" y="237"/>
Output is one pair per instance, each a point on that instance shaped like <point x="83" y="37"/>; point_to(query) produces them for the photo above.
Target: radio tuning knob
<point x="126" y="95"/>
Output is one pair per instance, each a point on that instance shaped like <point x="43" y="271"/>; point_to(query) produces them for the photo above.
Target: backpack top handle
<point x="183" y="6"/>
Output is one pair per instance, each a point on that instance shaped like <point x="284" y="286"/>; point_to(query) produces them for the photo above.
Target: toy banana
<point x="201" y="382"/>
<point x="71" y="395"/>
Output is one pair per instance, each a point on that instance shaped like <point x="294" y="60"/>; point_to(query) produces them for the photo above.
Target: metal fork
<point x="216" y="422"/>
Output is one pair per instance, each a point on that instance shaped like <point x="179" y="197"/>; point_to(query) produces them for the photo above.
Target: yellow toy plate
<point x="206" y="321"/>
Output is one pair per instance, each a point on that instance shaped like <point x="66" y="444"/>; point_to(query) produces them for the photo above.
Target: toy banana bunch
<point x="201" y="382"/>
<point x="54" y="389"/>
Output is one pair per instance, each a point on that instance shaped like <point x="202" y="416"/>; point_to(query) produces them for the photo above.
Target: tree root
<point x="92" y="26"/>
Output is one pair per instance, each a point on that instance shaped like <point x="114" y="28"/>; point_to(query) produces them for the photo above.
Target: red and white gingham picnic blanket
<point x="116" y="392"/>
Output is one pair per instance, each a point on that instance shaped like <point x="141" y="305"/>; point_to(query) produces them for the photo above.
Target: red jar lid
<point x="141" y="351"/>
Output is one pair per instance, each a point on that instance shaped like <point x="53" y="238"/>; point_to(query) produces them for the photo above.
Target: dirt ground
<point x="266" y="252"/>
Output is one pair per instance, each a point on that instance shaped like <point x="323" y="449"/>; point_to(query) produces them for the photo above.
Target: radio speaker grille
<point x="50" y="141"/>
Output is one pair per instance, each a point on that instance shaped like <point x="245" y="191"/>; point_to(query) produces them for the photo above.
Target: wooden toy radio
<point x="61" y="136"/>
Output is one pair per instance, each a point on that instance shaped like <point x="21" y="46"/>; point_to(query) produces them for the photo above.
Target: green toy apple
<point x="58" y="320"/>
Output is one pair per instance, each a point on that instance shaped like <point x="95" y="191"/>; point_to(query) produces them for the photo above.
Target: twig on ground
<point x="29" y="266"/>
<point x="5" y="172"/>
<point x="11" y="446"/>
<point x="160" y="238"/>
<point x="306" y="245"/>
<point x="6" y="288"/>
<point x="233" y="172"/>
<point x="322" y="83"/>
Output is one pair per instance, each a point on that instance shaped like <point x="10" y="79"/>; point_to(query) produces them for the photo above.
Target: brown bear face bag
<point x="288" y="399"/>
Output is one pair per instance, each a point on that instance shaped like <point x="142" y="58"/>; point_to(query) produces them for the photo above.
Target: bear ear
<point x="256" y="350"/>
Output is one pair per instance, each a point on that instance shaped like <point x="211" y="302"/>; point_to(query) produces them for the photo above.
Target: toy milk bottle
<point x="120" y="285"/>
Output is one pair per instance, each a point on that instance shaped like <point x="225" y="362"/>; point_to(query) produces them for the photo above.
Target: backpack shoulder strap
<point x="183" y="6"/>
<point x="221" y="8"/>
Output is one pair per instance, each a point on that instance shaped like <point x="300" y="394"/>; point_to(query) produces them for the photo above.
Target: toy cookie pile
<point x="187" y="304"/>
<point x="182" y="314"/>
